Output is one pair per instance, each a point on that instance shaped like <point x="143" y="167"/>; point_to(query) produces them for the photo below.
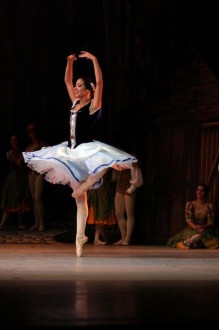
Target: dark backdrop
<point x="138" y="44"/>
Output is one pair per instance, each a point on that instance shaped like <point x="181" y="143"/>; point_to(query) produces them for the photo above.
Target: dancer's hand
<point x="87" y="55"/>
<point x="72" y="58"/>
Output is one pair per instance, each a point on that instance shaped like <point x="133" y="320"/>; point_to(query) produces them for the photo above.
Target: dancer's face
<point x="80" y="89"/>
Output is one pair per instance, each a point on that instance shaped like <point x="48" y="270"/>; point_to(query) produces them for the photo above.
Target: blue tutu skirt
<point x="63" y="165"/>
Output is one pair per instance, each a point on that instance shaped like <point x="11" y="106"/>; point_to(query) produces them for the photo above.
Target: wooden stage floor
<point x="47" y="286"/>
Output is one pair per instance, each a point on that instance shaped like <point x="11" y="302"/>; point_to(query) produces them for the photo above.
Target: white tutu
<point x="62" y="165"/>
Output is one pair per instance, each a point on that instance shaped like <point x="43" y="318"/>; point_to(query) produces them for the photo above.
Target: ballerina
<point x="81" y="161"/>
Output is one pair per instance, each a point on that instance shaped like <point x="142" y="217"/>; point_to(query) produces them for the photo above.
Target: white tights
<point x="82" y="214"/>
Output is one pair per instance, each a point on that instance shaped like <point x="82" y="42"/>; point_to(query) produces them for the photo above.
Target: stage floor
<point x="47" y="286"/>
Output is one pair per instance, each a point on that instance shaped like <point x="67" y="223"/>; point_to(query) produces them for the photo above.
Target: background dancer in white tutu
<point x="82" y="162"/>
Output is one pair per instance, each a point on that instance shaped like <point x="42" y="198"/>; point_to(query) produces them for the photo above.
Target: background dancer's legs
<point x="125" y="206"/>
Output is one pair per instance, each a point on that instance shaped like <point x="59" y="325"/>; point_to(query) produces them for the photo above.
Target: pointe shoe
<point x="80" y="241"/>
<point x="81" y="189"/>
<point x="131" y="189"/>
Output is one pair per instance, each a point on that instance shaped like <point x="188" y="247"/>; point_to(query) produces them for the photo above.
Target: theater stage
<point x="47" y="286"/>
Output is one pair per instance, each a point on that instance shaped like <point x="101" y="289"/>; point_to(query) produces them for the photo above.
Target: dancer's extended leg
<point x="84" y="186"/>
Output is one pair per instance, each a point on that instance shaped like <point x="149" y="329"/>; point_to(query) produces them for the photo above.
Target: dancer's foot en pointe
<point x="80" y="241"/>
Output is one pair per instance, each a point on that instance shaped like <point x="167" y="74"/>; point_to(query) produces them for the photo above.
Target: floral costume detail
<point x="198" y="218"/>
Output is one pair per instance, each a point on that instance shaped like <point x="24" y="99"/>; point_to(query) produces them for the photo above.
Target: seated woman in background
<point x="200" y="219"/>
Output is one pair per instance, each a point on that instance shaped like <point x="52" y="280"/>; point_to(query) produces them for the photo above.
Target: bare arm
<point x="69" y="76"/>
<point x="97" y="100"/>
<point x="189" y="215"/>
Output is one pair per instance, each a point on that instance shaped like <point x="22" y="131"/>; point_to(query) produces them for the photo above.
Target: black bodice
<point x="86" y="125"/>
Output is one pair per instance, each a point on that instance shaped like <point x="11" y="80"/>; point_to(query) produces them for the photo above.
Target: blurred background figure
<point x="15" y="194"/>
<point x="101" y="208"/>
<point x="125" y="199"/>
<point x="36" y="180"/>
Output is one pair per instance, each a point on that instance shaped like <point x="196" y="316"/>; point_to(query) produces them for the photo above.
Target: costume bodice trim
<point x="82" y="124"/>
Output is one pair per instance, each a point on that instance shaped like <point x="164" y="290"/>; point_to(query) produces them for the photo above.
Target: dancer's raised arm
<point x="97" y="99"/>
<point x="69" y="76"/>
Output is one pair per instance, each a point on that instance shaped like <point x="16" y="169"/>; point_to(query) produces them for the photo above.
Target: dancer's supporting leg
<point x="82" y="214"/>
